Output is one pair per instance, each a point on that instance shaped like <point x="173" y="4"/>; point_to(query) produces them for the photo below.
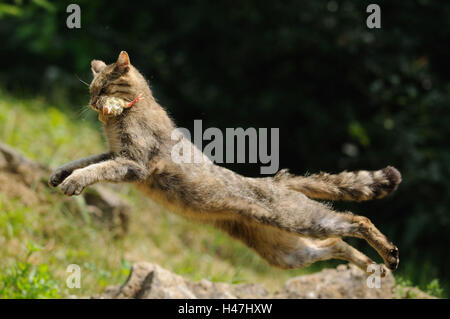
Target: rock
<point x="149" y="280"/>
<point x="19" y="177"/>
<point x="13" y="162"/>
<point x="106" y="207"/>
<point x="346" y="281"/>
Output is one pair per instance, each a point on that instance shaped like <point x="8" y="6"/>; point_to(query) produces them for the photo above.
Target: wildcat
<point x="275" y="216"/>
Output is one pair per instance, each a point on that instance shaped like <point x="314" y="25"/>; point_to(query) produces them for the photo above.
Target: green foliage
<point x="7" y="9"/>
<point x="25" y="280"/>
<point x="434" y="288"/>
<point x="404" y="288"/>
<point x="13" y="222"/>
<point x="58" y="136"/>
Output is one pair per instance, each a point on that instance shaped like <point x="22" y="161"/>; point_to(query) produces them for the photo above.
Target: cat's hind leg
<point x="309" y="251"/>
<point x="347" y="224"/>
<point x="289" y="251"/>
<point x="308" y="218"/>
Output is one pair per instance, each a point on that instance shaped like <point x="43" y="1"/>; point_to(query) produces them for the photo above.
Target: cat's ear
<point x="97" y="66"/>
<point x="123" y="61"/>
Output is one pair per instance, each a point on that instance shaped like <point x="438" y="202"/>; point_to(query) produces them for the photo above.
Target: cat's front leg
<point x="114" y="170"/>
<point x="61" y="173"/>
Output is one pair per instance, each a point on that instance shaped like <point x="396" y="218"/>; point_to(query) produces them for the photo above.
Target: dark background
<point x="344" y="96"/>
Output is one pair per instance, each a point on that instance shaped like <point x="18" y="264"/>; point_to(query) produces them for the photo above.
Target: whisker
<point x="81" y="80"/>
<point x="83" y="111"/>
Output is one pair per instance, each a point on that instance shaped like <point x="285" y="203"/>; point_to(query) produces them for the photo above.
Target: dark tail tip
<point x="393" y="175"/>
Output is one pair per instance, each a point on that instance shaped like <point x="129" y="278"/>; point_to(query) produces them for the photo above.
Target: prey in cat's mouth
<point x="111" y="105"/>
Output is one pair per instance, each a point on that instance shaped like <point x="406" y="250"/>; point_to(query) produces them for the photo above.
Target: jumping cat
<point x="275" y="216"/>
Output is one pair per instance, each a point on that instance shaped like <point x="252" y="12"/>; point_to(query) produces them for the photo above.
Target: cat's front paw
<point x="58" y="176"/>
<point x="72" y="185"/>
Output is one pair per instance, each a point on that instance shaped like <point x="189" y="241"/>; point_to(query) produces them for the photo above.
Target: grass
<point x="406" y="290"/>
<point x="26" y="280"/>
<point x="39" y="242"/>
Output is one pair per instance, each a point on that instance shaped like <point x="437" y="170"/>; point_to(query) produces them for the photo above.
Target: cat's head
<point x="119" y="79"/>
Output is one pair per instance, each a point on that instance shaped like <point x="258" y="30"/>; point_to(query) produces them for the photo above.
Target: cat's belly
<point x="177" y="206"/>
